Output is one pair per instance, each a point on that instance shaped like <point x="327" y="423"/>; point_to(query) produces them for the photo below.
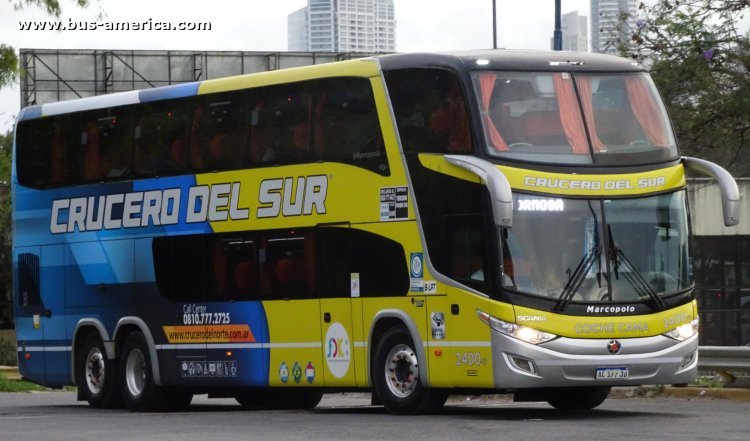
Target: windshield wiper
<point x="631" y="274"/>
<point x="576" y="279"/>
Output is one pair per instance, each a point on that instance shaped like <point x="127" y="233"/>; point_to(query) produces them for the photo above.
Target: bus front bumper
<point x="569" y="362"/>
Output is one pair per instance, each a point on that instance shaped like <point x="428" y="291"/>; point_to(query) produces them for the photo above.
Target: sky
<point x="261" y="25"/>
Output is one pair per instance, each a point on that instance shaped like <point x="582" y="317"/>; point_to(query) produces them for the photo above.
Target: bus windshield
<point x="574" y="118"/>
<point x="577" y="250"/>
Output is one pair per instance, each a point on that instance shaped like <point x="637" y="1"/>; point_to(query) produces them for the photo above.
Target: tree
<point x="8" y="57"/>
<point x="6" y="310"/>
<point x="700" y="62"/>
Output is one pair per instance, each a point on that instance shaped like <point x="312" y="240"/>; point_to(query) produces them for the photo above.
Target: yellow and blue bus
<point x="414" y="225"/>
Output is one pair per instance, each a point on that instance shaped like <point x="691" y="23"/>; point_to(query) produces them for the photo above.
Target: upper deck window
<point x="560" y="117"/>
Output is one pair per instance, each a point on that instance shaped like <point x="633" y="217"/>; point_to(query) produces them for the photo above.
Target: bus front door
<point x="44" y="354"/>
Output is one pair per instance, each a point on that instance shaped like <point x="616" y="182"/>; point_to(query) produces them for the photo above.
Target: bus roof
<point x="512" y="60"/>
<point x="363" y="67"/>
<point x="461" y="61"/>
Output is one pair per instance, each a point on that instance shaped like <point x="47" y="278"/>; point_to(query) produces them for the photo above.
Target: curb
<point x="10" y="372"/>
<point x="689" y="392"/>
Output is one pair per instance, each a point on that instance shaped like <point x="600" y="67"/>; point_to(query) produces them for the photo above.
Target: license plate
<point x="612" y="373"/>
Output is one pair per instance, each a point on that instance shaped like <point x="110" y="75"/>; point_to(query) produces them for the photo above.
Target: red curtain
<point x="646" y="111"/>
<point x="487" y="85"/>
<point x="570" y="115"/>
<point x="584" y="90"/>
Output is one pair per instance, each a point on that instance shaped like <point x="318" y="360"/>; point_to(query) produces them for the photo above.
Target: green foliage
<point x="6" y="142"/>
<point x="51" y="7"/>
<point x="8" y="353"/>
<point x="8" y="385"/>
<point x="700" y="60"/>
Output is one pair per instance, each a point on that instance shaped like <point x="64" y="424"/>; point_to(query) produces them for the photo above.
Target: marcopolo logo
<point x="337" y="350"/>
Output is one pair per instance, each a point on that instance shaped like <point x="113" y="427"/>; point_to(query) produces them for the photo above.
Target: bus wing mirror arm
<point x="496" y="182"/>
<point x="730" y="193"/>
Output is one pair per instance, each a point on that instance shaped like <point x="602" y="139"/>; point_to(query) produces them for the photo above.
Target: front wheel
<point x="395" y="375"/>
<point x="139" y="391"/>
<point x="96" y="375"/>
<point x="578" y="398"/>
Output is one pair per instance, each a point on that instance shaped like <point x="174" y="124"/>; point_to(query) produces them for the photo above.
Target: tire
<point x="578" y="398"/>
<point x="139" y="391"/>
<point x="96" y="375"/>
<point x="395" y="376"/>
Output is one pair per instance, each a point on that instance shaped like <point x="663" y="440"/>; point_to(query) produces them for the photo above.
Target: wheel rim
<point x="401" y="371"/>
<point x="135" y="372"/>
<point x="95" y="370"/>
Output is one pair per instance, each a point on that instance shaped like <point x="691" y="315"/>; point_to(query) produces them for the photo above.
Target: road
<point x="57" y="416"/>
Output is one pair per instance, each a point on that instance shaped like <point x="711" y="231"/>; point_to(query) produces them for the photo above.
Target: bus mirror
<point x="496" y="182"/>
<point x="730" y="193"/>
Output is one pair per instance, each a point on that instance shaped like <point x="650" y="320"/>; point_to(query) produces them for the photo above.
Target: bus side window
<point x="345" y="124"/>
<point x="430" y="110"/>
<point x="288" y="266"/>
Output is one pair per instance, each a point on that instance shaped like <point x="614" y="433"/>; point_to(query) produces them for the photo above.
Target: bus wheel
<point x="395" y="375"/>
<point x="96" y="374"/>
<point x="578" y="398"/>
<point x="136" y="377"/>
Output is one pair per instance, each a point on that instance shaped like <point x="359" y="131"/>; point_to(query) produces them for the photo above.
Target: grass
<point x="708" y="381"/>
<point x="9" y="385"/>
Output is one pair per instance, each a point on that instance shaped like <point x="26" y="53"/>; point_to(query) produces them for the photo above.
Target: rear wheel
<point x="578" y="398"/>
<point x="395" y="375"/>
<point x="96" y="375"/>
<point x="139" y="391"/>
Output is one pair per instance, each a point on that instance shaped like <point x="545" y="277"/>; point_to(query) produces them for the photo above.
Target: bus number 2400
<point x="470" y="359"/>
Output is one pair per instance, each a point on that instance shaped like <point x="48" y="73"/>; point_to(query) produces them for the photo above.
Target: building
<point x="575" y="32"/>
<point x="721" y="261"/>
<point x="605" y="15"/>
<point x="343" y="26"/>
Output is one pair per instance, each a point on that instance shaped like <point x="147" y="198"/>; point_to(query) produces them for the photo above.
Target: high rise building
<point x="343" y="26"/>
<point x="604" y="17"/>
<point x="575" y="32"/>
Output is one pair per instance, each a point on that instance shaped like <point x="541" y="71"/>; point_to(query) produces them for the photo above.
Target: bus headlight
<point x="685" y="331"/>
<point x="523" y="333"/>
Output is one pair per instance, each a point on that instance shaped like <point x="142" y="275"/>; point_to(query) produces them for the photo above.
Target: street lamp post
<point x="558" y="27"/>
<point x="494" y="24"/>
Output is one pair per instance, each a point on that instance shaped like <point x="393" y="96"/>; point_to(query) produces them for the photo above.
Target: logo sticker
<point x="394" y="203"/>
<point x="337" y="350"/>
<point x="438" y="325"/>
<point x="416" y="272"/>
<point x="310" y="372"/>
<point x="284" y="372"/>
<point x="614" y="346"/>
<point x="297" y="372"/>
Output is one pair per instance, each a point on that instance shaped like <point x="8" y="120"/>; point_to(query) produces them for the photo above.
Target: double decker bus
<point x="411" y="224"/>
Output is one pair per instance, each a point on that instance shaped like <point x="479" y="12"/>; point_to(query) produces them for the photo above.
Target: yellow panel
<point x="356" y="68"/>
<point x="338" y="343"/>
<point x="294" y="330"/>
<point x="236" y="199"/>
<point x="611" y="326"/>
<point x="604" y="185"/>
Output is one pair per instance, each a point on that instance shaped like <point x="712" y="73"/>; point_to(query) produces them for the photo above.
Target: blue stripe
<point x="168" y="92"/>
<point x="31" y="112"/>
